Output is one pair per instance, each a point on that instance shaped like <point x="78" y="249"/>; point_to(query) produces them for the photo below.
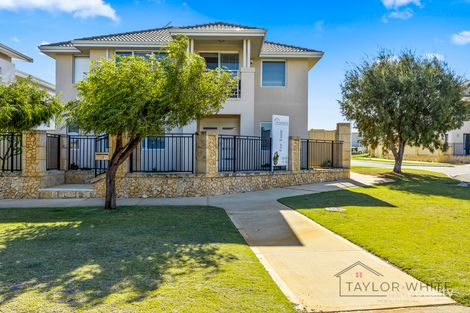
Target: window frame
<point x="152" y="52"/>
<point x="145" y="145"/>
<point x="218" y="57"/>
<point x="285" y="72"/>
<point x="261" y="134"/>
<point x="74" y="66"/>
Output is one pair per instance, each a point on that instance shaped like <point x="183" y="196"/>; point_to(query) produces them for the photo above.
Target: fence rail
<point x="52" y="152"/>
<point x="10" y="152"/>
<point x="244" y="153"/>
<point x="164" y="154"/>
<point x="320" y="154"/>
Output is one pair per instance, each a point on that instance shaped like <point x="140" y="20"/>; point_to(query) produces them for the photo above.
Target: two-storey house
<point x="273" y="76"/>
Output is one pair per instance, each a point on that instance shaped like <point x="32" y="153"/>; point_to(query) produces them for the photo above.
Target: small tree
<point x="23" y="106"/>
<point x="135" y="97"/>
<point x="405" y="100"/>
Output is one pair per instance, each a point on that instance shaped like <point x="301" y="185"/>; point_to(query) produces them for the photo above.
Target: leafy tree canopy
<point x="141" y="96"/>
<point x="23" y="106"/>
<point x="137" y="96"/>
<point x="404" y="100"/>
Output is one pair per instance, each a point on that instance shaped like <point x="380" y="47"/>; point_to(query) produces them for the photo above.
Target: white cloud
<point x="431" y="56"/>
<point x="79" y="8"/>
<point x="461" y="38"/>
<point x="395" y="4"/>
<point x="14" y="39"/>
<point x="398" y="15"/>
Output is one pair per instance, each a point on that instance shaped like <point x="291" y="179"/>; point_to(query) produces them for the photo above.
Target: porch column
<point x="207" y="154"/>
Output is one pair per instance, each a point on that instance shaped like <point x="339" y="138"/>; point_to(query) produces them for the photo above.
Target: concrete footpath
<point x="317" y="269"/>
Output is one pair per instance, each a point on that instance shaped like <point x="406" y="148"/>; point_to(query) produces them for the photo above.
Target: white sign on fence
<point x="280" y="141"/>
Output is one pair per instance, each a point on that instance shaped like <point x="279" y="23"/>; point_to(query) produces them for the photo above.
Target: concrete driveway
<point x="300" y="255"/>
<point x="459" y="172"/>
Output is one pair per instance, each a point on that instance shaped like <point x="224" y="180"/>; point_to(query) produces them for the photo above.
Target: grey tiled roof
<point x="274" y="47"/>
<point x="162" y="36"/>
<point x="218" y="26"/>
<point x="149" y="35"/>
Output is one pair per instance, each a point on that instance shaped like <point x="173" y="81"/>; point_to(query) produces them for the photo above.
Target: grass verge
<point x="366" y="157"/>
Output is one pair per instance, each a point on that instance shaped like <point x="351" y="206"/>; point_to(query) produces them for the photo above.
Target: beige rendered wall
<point x="64" y="77"/>
<point x="291" y="100"/>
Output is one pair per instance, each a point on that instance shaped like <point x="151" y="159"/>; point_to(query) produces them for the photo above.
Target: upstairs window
<point x="81" y="65"/>
<point x="144" y="54"/>
<point x="223" y="60"/>
<point x="273" y="74"/>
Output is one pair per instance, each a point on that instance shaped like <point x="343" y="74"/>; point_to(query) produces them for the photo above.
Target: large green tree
<point x="403" y="100"/>
<point x="132" y="97"/>
<point x="23" y="106"/>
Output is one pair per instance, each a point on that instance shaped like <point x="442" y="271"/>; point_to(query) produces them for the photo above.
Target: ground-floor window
<point x="265" y="133"/>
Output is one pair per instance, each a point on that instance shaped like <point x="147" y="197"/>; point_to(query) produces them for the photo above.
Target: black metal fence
<point x="101" y="145"/>
<point x="52" y="152"/>
<point x="166" y="153"/>
<point x="10" y="152"/>
<point x="320" y="154"/>
<point x="244" y="153"/>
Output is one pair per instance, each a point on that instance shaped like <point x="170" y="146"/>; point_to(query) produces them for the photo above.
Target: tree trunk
<point x="120" y="154"/>
<point x="399" y="158"/>
<point x="110" y="202"/>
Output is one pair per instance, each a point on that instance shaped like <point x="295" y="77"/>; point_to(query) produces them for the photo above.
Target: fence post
<point x="207" y="153"/>
<point x="12" y="149"/>
<point x="34" y="153"/>
<point x="294" y="154"/>
<point x="64" y="153"/>
<point x="234" y="153"/>
<point x="343" y="133"/>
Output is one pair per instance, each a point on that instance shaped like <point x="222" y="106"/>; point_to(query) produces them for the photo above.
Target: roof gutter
<point x="14" y="54"/>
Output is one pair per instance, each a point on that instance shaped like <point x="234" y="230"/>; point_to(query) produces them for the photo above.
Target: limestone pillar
<point x="64" y="155"/>
<point x="294" y="154"/>
<point x="207" y="156"/>
<point x="34" y="153"/>
<point x="343" y="133"/>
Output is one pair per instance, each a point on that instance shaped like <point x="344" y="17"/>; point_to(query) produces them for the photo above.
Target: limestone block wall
<point x="34" y="176"/>
<point x="143" y="185"/>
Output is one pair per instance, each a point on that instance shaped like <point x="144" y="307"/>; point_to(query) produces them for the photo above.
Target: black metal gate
<point x="101" y="145"/>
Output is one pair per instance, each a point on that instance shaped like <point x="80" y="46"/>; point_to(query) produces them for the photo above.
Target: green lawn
<point x="144" y="259"/>
<point x="366" y="157"/>
<point x="421" y="223"/>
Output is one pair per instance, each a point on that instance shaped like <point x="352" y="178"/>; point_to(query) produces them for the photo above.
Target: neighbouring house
<point x="458" y="141"/>
<point x="273" y="76"/>
<point x="9" y="73"/>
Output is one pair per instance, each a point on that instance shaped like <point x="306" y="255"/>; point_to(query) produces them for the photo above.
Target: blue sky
<point x="346" y="31"/>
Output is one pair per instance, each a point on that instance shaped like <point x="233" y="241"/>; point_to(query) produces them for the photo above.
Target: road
<point x="459" y="172"/>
